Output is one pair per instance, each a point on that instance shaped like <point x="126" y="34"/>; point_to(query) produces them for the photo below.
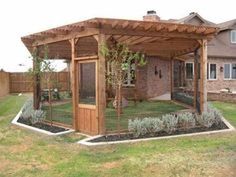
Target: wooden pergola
<point x="81" y="42"/>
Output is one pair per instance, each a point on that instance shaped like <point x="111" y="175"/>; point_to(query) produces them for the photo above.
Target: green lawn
<point x="25" y="153"/>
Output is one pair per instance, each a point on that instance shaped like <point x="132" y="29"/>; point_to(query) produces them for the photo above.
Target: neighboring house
<point x="221" y="70"/>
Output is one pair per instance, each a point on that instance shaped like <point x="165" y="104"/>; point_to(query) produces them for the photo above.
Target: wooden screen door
<point x="87" y="106"/>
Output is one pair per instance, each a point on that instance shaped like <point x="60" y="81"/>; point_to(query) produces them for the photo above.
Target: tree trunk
<point x="118" y="107"/>
<point x="50" y="103"/>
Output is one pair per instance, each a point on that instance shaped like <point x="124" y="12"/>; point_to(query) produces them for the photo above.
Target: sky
<point x="22" y="17"/>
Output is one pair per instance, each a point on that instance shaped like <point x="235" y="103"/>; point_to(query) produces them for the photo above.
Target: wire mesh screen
<point x="60" y="110"/>
<point x="183" y="97"/>
<point x="139" y="110"/>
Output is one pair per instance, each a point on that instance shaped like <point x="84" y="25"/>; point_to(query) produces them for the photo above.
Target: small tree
<point x="120" y="57"/>
<point x="41" y="67"/>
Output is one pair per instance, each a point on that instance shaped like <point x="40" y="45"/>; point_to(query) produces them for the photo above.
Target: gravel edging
<point x="87" y="142"/>
<point x="14" y="121"/>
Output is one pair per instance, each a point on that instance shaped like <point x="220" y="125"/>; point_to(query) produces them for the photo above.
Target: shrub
<point x="170" y="122"/>
<point x="206" y="119"/>
<point x="27" y="109"/>
<point x="148" y="125"/>
<point x="135" y="127"/>
<point x="37" y="116"/>
<point x="28" y="112"/>
<point x="211" y="117"/>
<point x="186" y="120"/>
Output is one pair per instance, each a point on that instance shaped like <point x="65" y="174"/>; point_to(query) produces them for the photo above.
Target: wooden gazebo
<point x="81" y="42"/>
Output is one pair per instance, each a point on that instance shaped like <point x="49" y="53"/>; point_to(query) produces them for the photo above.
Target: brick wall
<point x="213" y="96"/>
<point x="148" y="83"/>
<point x="157" y="85"/>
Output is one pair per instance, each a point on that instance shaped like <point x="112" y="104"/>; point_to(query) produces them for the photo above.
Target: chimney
<point x="151" y="16"/>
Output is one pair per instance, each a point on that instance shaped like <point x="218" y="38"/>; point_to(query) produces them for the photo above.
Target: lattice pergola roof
<point x="154" y="38"/>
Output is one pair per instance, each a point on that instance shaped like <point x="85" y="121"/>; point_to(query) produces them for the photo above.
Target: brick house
<point x="221" y="70"/>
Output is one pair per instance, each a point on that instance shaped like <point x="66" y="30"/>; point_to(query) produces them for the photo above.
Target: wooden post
<point x="101" y="80"/>
<point x="195" y="81"/>
<point x="183" y="69"/>
<point x="172" y="77"/>
<point x="36" y="85"/>
<point x="74" y="85"/>
<point x="203" y="76"/>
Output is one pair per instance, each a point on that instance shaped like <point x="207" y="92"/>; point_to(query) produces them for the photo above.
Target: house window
<point x="233" y="36"/>
<point x="212" y="71"/>
<point x="233" y="71"/>
<point x="230" y="71"/>
<point x="226" y="71"/>
<point x="189" y="70"/>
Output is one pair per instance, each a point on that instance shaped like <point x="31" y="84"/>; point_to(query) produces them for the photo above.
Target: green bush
<point x="211" y="117"/>
<point x="170" y="122"/>
<point x="186" y="120"/>
<point x="37" y="116"/>
<point x="27" y="109"/>
<point x="28" y="113"/>
<point x="140" y="127"/>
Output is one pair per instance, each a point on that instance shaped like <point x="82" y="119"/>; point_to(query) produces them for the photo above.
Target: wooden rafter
<point x="124" y="38"/>
<point x="139" y="40"/>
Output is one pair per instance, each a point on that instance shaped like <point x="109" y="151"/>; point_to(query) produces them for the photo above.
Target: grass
<point x="25" y="153"/>
<point x="228" y="110"/>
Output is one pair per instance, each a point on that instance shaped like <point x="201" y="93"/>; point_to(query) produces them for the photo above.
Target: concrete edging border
<point x="14" y="121"/>
<point x="87" y="143"/>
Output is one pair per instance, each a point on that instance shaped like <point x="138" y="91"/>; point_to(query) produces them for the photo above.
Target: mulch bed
<point x="43" y="126"/>
<point x="128" y="136"/>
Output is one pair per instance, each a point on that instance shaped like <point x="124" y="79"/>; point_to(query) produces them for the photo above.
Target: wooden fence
<point x="4" y="83"/>
<point x="22" y="82"/>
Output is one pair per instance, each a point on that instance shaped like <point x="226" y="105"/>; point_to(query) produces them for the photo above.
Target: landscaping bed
<point x="43" y="126"/>
<point x="167" y="126"/>
<point x="130" y="136"/>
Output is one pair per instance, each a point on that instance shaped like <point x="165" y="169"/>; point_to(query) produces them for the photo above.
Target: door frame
<point x="87" y="106"/>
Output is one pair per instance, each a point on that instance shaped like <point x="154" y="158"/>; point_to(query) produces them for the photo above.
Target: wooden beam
<point x="101" y="89"/>
<point x="172" y="28"/>
<point x="172" y="77"/>
<point x="125" y="24"/>
<point x="133" y="38"/>
<point x="153" y="39"/>
<point x="203" y="76"/>
<point x="151" y="33"/>
<point x="200" y="30"/>
<point x="36" y="86"/>
<point x="148" y="26"/>
<point x="74" y="85"/>
<point x="195" y="81"/>
<point x="114" y="23"/>
<point x="139" y="40"/>
<point x="135" y="25"/>
<point x="92" y="57"/>
<point x="123" y="38"/>
<point x="76" y="34"/>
